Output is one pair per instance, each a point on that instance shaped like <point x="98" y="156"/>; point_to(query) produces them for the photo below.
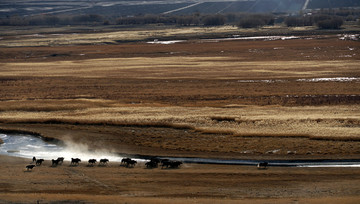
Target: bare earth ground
<point x="204" y="98"/>
<point x="192" y="183"/>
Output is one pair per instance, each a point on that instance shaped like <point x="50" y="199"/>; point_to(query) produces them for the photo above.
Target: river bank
<point x="131" y="140"/>
<point x="28" y="146"/>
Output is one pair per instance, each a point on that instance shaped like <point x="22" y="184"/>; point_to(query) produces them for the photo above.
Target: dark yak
<point x="75" y="161"/>
<point x="54" y="162"/>
<point x="153" y="163"/>
<point x="103" y="162"/>
<point x="125" y="160"/>
<point x="92" y="162"/>
<point x="170" y="164"/>
<point x="262" y="165"/>
<point x="39" y="162"/>
<point x="30" y="167"/>
<point x="60" y="160"/>
<point x="131" y="163"/>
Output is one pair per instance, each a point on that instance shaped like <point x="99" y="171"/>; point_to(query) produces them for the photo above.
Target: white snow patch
<point x="349" y="37"/>
<point x="265" y="38"/>
<point x="165" y="42"/>
<point x="334" y="79"/>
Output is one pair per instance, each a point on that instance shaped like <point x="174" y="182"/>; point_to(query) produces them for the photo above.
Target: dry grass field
<point x="249" y="99"/>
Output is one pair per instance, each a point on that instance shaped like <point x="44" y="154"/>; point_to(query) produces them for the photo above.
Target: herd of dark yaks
<point x="126" y="162"/>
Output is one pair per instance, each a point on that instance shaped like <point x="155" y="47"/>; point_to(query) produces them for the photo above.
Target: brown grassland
<point x="239" y="99"/>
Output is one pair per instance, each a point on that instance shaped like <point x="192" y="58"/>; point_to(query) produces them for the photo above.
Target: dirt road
<point x="190" y="183"/>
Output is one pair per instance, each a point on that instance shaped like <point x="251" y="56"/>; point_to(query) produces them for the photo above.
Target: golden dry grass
<point x="205" y="87"/>
<point x="339" y="122"/>
<point x="179" y="68"/>
<point x="109" y="37"/>
<point x="60" y="36"/>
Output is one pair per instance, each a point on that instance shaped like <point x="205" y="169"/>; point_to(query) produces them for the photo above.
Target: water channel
<point x="27" y="146"/>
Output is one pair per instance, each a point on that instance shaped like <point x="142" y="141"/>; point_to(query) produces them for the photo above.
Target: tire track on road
<point x="88" y="179"/>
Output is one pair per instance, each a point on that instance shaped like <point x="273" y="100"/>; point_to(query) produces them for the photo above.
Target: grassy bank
<point x="83" y="35"/>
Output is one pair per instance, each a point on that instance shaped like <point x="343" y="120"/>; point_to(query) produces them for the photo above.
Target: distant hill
<point x="316" y="4"/>
<point x="178" y="7"/>
<point x="259" y="6"/>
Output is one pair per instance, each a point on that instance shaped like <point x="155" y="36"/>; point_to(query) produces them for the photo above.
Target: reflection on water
<point x="28" y="146"/>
